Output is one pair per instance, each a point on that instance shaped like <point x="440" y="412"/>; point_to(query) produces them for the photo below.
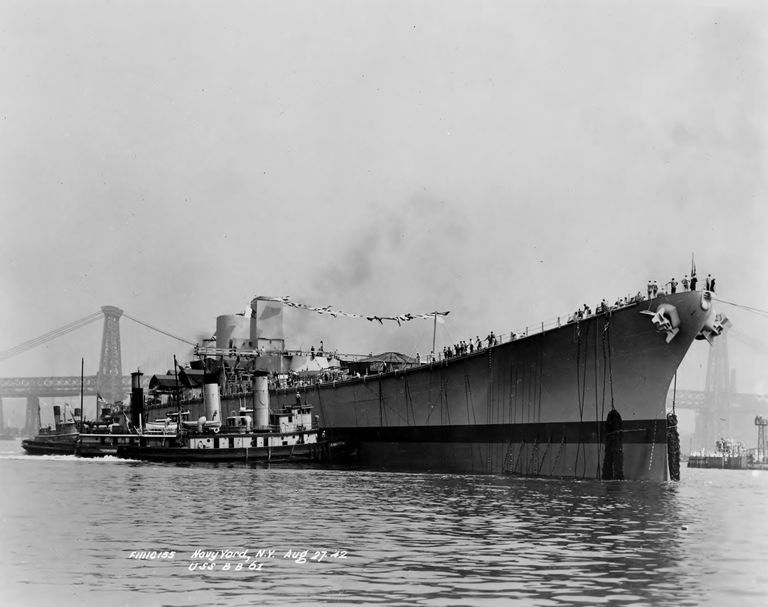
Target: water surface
<point x="71" y="530"/>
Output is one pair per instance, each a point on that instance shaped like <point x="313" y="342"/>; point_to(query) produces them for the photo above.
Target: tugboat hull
<point x="50" y="445"/>
<point x="286" y="453"/>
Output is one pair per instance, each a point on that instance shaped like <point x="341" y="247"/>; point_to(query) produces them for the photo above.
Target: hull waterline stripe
<point x="636" y="431"/>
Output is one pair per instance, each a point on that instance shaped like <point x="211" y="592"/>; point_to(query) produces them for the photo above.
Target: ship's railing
<point x="255" y="353"/>
<point x="523" y="332"/>
<point x="500" y="337"/>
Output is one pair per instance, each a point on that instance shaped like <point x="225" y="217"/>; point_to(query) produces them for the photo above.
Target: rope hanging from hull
<point x="673" y="439"/>
<point x="613" y="462"/>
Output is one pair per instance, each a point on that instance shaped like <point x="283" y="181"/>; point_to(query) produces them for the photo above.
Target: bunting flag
<point x="328" y="310"/>
<point x="693" y="267"/>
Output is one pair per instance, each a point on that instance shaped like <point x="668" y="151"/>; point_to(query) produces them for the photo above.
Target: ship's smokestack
<point x="57" y="416"/>
<point x="137" y="399"/>
<point x="261" y="401"/>
<point x="211" y="397"/>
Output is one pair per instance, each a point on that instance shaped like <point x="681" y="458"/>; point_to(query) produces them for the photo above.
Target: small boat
<point x="729" y="454"/>
<point x="288" y="435"/>
<point x="292" y="438"/>
<point x="59" y="440"/>
<point x="114" y="430"/>
<point x="63" y="437"/>
<point x="104" y="439"/>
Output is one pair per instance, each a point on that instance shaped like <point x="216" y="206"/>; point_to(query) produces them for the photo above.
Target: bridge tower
<point x="762" y="444"/>
<point x="714" y="419"/>
<point x="109" y="379"/>
<point x="32" y="421"/>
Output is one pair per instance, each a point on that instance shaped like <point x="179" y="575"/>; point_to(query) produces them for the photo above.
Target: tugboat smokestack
<point x="261" y="401"/>
<point x="137" y="399"/>
<point x="212" y="397"/>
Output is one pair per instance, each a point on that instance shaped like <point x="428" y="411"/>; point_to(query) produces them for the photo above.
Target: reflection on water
<point x="69" y="527"/>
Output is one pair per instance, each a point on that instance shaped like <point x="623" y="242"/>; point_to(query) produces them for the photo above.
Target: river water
<point x="73" y="532"/>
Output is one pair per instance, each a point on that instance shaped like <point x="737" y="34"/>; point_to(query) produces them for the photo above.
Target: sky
<point x="506" y="161"/>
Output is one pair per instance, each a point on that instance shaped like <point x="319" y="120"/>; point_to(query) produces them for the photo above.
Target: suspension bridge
<point x="108" y="383"/>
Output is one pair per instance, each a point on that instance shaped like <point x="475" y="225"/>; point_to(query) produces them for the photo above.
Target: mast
<point x="205" y="370"/>
<point x="178" y="394"/>
<point x="82" y="371"/>
<point x="434" y="333"/>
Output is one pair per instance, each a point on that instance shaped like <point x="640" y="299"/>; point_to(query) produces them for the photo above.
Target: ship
<point x="729" y="454"/>
<point x="249" y="436"/>
<point x="584" y="398"/>
<point x="59" y="439"/>
<point x="71" y="434"/>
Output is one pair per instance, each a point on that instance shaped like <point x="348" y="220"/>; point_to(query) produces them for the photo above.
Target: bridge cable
<point x="51" y="335"/>
<point x="186" y="341"/>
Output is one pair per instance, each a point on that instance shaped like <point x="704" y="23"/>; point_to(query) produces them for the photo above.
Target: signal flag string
<point x="370" y="317"/>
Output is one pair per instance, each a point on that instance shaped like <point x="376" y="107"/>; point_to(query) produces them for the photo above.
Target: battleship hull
<point x="537" y="405"/>
<point x="533" y="406"/>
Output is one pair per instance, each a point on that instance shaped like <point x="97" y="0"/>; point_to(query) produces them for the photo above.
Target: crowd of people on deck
<point x="476" y="344"/>
<point x="471" y="345"/>
<point x="688" y="284"/>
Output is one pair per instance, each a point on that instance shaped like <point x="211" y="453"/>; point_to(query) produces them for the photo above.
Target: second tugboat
<point x="59" y="440"/>
<point x="288" y="435"/>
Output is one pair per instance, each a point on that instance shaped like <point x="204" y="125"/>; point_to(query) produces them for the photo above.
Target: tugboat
<point x="110" y="431"/>
<point x="59" y="440"/>
<point x="286" y="436"/>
